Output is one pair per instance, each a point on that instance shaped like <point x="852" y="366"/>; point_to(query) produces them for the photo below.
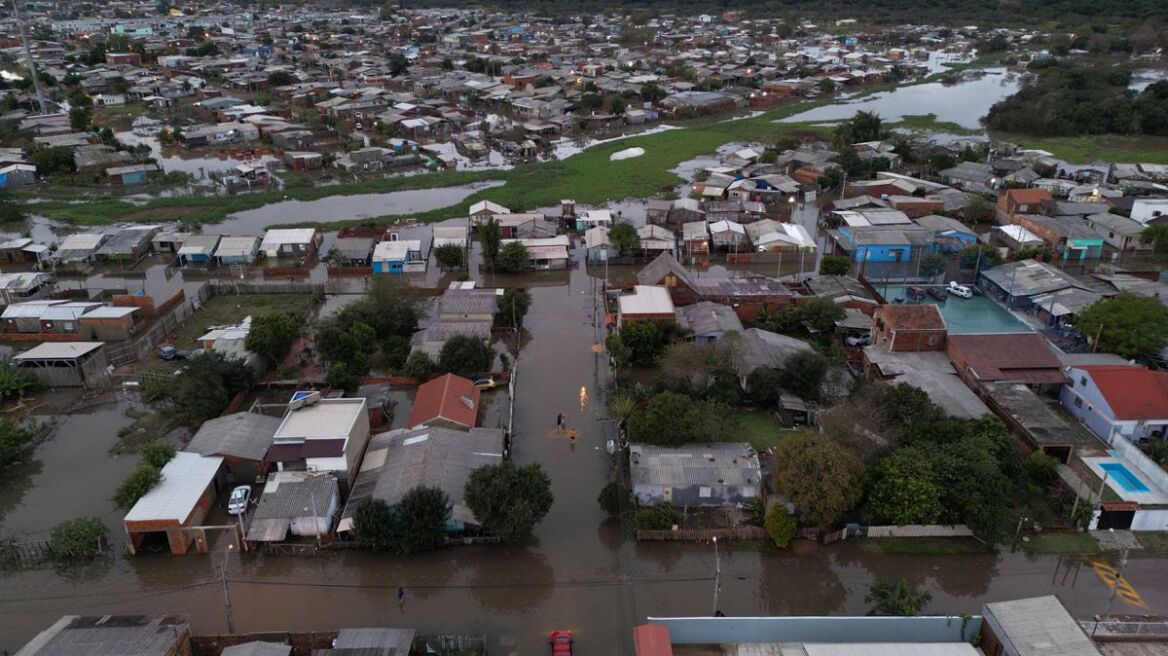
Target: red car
<point x="561" y="643"/>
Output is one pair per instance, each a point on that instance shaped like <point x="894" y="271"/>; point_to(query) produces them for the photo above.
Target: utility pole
<point x="717" y="576"/>
<point x="226" y="593"/>
<point x="1114" y="587"/>
<point x="36" y="80"/>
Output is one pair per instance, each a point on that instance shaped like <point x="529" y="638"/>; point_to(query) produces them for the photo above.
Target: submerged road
<point x="579" y="571"/>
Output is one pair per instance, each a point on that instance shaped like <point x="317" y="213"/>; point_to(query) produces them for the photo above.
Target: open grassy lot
<point x="223" y="310"/>
<point x="761" y="430"/>
<point x="1098" y="148"/>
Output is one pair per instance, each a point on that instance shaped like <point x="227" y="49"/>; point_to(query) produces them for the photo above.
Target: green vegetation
<point x="140" y="481"/>
<point x="659" y="518"/>
<point x="896" y="598"/>
<point x="1085" y="149"/>
<point x="513" y="306"/>
<point x="819" y="476"/>
<point x="929" y="123"/>
<point x="640" y="343"/>
<point x="1069" y="99"/>
<point x="203" y="388"/>
<point x="424" y="512"/>
<point x="760" y="429"/>
<point x="625" y="239"/>
<point x="450" y="256"/>
<point x="614" y="498"/>
<point x="466" y="356"/>
<point x="672" y="419"/>
<point x="16" y="441"/>
<point x="834" y="265"/>
<point x="272" y="334"/>
<point x="513" y="256"/>
<point x="1133" y="327"/>
<point x="16" y="383"/>
<point x="781" y="526"/>
<point x="508" y="500"/>
<point x="229" y="310"/>
<point x="371" y="332"/>
<point x="77" y="538"/>
<point x="157" y="454"/>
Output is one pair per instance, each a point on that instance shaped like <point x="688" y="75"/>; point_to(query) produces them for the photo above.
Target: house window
<point x="932" y="340"/>
<point x="1078" y="401"/>
<point x="1083" y="381"/>
<point x="704" y="492"/>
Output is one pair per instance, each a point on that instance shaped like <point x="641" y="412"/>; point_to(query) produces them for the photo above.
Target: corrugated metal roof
<point x="257" y="649"/>
<point x="279" y="236"/>
<point x="1039" y="626"/>
<point x="184" y="479"/>
<point x="244" y="435"/>
<point x="58" y="351"/>
<point x="111" y="635"/>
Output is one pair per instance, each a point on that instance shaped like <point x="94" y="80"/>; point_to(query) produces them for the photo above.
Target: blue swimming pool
<point x="1122" y="476"/>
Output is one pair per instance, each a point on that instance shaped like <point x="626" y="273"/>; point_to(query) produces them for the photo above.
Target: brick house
<point x="909" y="328"/>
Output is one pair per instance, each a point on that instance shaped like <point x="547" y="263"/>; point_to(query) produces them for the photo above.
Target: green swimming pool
<point x="965" y="315"/>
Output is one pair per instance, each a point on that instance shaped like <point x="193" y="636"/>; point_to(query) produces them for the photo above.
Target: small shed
<point x="237" y="250"/>
<point x="708" y="322"/>
<point x="300" y="503"/>
<point x="109" y="323"/>
<point x="65" y="364"/>
<point x="79" y="247"/>
<point x="198" y="249"/>
<point x="354" y="251"/>
<point x="290" y="242"/>
<point x="127" y="245"/>
<point x="177" y="506"/>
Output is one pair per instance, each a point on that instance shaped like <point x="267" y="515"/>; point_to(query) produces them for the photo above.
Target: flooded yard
<point x="963" y="103"/>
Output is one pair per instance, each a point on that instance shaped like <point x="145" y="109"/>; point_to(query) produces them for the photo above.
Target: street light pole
<point x="717" y="576"/>
<point x="226" y="592"/>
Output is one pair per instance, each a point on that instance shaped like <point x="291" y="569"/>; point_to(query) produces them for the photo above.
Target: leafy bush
<point x="614" y="498"/>
<point x="659" y="518"/>
<point x="157" y="454"/>
<point x="896" y="598"/>
<point x="15" y="441"/>
<point x="419" y="366"/>
<point x="464" y="355"/>
<point x="508" y="500"/>
<point x="781" y="526"/>
<point x="449" y="256"/>
<point x="76" y="538"/>
<point x="377" y="524"/>
<point x="423" y="512"/>
<point x="137" y="484"/>
<point x="272" y="335"/>
<point x="15" y="383"/>
<point x="834" y="265"/>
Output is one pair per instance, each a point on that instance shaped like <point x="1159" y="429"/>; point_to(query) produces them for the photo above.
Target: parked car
<point x="237" y="504"/>
<point x="167" y="353"/>
<point x="486" y="383"/>
<point x="915" y="292"/>
<point x="859" y="340"/>
<point x="937" y="294"/>
<point x="561" y="643"/>
<point x="959" y="290"/>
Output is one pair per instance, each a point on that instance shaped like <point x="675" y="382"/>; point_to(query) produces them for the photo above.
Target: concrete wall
<point x="719" y="630"/>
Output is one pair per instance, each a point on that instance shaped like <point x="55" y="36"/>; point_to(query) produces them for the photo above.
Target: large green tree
<point x="513" y="306"/>
<point x="623" y="236"/>
<point x="272" y="335"/>
<point x="802" y="374"/>
<point x="513" y="257"/>
<point x="463" y="355"/>
<point x="423" y="512"/>
<point x="1134" y="327"/>
<point x="508" y="500"/>
<point x="819" y="476"/>
<point x="377" y="525"/>
<point x="903" y="491"/>
<point x="490" y="237"/>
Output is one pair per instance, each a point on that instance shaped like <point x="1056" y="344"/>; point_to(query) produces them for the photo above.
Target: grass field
<point x="1098" y="148"/>
<point x="929" y="123"/>
<point x="761" y="430"/>
<point x="224" y="310"/>
<point x="1062" y="543"/>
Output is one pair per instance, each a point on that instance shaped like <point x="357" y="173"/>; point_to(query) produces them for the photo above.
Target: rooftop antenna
<point x="36" y="81"/>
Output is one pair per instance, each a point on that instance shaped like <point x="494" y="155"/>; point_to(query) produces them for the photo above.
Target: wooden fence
<point x="35" y="552"/>
<point x="737" y="533"/>
<point x="126" y="352"/>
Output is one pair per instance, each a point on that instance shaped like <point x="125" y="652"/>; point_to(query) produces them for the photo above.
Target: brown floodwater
<point x="579" y="570"/>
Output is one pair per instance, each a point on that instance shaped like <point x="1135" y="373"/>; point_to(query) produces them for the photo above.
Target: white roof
<point x="326" y="418"/>
<point x="395" y="250"/>
<point x="488" y="206"/>
<point x="798" y="234"/>
<point x="596" y="237"/>
<point x="110" y="312"/>
<point x="596" y="216"/>
<point x="81" y="242"/>
<point x="279" y="236"/>
<point x="184" y="479"/>
<point x="1019" y="234"/>
<point x="647" y="299"/>
<point x="58" y="351"/>
<point x="727" y="226"/>
<point x="236" y="246"/>
<point x="890" y="649"/>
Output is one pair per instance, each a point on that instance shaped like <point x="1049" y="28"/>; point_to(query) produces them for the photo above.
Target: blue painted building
<point x="1118" y="401"/>
<point x="900" y="243"/>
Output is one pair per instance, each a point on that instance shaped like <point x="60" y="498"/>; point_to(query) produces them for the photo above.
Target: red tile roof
<point x="1132" y="392"/>
<point x="443" y="398"/>
<point x="1022" y="357"/>
<point x="911" y="317"/>
<point x="1029" y="196"/>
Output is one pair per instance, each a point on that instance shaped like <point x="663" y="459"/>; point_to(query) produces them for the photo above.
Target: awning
<point x="268" y="530"/>
<point x="285" y="452"/>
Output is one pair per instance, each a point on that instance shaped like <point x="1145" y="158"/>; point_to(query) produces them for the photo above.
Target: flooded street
<point x="579" y="571"/>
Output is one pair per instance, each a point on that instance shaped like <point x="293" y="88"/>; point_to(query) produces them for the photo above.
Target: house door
<point x="1117" y="519"/>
